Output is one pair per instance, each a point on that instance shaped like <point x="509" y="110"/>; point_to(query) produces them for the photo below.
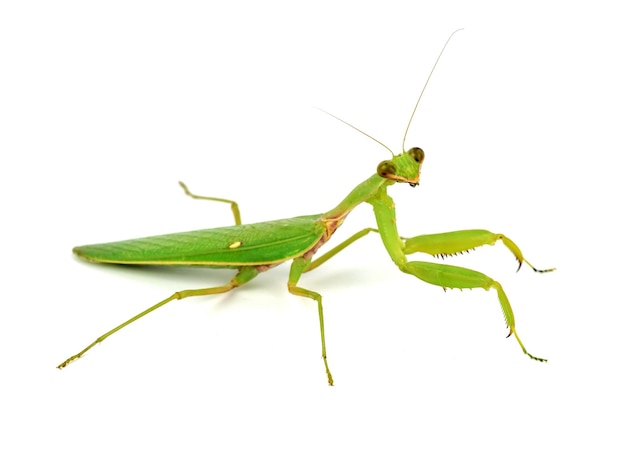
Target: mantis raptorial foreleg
<point x="233" y="205"/>
<point x="299" y="266"/>
<point x="448" y="276"/>
<point x="244" y="275"/>
<point x="445" y="276"/>
<point x="450" y="243"/>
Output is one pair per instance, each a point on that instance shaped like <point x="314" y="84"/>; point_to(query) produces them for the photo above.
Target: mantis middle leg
<point x="299" y="266"/>
<point x="233" y="205"/>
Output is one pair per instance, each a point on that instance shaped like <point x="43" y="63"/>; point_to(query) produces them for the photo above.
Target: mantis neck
<point x="363" y="191"/>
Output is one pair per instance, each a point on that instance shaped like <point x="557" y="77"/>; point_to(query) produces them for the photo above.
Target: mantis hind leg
<point x="233" y="205"/>
<point x="447" y="276"/>
<point x="299" y="266"/>
<point x="244" y="275"/>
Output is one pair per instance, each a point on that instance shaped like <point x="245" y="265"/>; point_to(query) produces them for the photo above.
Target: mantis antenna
<point x="424" y="88"/>
<point x="357" y="129"/>
<point x="414" y="109"/>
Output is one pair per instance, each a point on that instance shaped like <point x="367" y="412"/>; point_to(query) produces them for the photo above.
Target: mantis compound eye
<point x="386" y="168"/>
<point x="417" y="154"/>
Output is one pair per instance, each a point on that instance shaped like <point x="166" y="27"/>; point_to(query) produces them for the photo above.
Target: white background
<point x="105" y="107"/>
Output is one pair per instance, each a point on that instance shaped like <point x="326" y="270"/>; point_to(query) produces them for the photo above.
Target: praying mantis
<point x="251" y="249"/>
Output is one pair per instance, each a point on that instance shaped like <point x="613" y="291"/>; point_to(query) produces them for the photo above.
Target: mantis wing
<point x="262" y="243"/>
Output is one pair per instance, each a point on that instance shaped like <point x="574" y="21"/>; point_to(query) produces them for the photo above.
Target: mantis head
<point x="404" y="167"/>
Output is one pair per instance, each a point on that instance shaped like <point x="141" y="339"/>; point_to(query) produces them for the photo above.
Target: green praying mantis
<point x="251" y="249"/>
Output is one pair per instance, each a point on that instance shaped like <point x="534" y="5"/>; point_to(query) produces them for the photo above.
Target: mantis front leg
<point x="451" y="243"/>
<point x="445" y="276"/>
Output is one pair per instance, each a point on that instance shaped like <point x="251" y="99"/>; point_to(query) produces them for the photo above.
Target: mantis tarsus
<point x="254" y="248"/>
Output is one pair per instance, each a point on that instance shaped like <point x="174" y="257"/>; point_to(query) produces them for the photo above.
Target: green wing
<point x="242" y="245"/>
